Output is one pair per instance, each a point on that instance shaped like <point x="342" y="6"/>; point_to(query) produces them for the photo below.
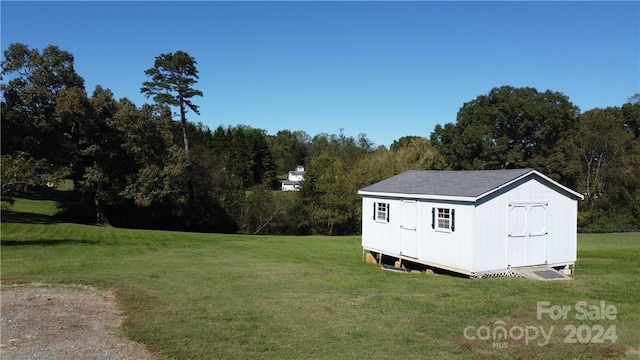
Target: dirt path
<point x="41" y="322"/>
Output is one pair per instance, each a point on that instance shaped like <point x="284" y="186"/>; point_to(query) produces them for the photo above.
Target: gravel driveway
<point x="41" y="322"/>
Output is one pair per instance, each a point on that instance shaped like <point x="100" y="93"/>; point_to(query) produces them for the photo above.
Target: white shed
<point x="478" y="223"/>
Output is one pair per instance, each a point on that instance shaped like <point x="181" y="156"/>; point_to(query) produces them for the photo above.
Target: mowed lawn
<point x="210" y="296"/>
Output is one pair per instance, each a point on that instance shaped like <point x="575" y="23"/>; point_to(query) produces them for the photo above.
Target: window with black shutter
<point x="381" y="212"/>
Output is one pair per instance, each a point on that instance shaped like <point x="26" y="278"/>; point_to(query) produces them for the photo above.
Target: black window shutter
<point x="453" y="219"/>
<point x="374" y="211"/>
<point x="388" y="212"/>
<point x="433" y="218"/>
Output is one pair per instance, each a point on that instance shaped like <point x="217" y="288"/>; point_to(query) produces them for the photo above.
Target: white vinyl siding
<point x="474" y="236"/>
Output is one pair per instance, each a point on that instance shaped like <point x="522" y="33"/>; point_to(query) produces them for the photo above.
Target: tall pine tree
<point x="172" y="78"/>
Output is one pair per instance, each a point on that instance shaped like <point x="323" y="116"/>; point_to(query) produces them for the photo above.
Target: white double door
<point x="527" y="237"/>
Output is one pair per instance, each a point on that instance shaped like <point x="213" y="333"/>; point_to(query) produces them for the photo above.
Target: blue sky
<point x="386" y="69"/>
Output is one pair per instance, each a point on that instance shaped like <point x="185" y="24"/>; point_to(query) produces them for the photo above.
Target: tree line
<point x="144" y="166"/>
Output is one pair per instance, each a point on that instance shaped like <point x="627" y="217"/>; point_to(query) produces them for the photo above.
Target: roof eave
<point x="537" y="173"/>
<point x="418" y="196"/>
<point x="572" y="192"/>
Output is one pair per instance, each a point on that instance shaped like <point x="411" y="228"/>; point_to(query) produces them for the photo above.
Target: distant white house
<point x="294" y="178"/>
<point x="472" y="222"/>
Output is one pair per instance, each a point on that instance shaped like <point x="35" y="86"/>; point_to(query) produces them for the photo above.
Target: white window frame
<point x="443" y="219"/>
<point x="381" y="214"/>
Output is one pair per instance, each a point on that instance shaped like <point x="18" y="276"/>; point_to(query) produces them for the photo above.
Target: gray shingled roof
<point x="471" y="183"/>
<point x="291" y="182"/>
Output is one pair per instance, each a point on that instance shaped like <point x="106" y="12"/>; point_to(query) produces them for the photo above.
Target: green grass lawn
<point x="207" y="296"/>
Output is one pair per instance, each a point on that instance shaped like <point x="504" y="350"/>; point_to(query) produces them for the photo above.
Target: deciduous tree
<point x="19" y="173"/>
<point x="511" y="128"/>
<point x="610" y="154"/>
<point x="32" y="120"/>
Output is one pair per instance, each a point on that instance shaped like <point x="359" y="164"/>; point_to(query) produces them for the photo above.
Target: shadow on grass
<point x="48" y="242"/>
<point x="45" y="193"/>
<point x="27" y="218"/>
